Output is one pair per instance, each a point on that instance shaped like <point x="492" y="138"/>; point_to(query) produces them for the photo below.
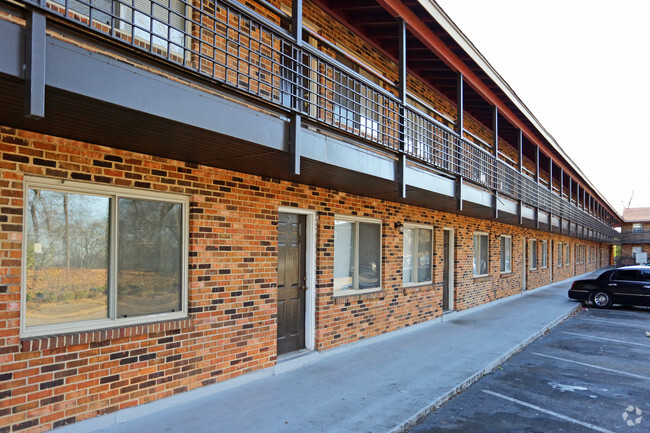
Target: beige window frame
<point x="113" y="194"/>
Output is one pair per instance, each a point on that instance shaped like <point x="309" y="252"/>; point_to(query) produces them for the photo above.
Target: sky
<point x="582" y="67"/>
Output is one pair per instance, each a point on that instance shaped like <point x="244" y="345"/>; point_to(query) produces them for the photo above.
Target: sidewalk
<point x="384" y="384"/>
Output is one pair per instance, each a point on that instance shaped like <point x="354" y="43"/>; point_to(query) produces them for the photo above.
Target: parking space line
<point x="610" y="322"/>
<point x="548" y="412"/>
<point x="605" y="339"/>
<point x="624" y="373"/>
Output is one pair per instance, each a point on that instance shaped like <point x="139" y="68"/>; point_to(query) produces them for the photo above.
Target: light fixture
<point x="398" y="225"/>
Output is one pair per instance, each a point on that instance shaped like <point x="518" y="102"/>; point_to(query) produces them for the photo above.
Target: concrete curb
<point x="413" y="420"/>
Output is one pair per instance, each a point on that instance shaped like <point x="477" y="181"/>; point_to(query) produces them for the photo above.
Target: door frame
<point x="450" y="276"/>
<point x="310" y="271"/>
<point x="524" y="258"/>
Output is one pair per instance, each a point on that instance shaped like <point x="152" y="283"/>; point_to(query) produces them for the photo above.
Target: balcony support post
<point x="520" y="145"/>
<point x="550" y="174"/>
<point x="296" y="21"/>
<point x="296" y="120"/>
<point x="294" y="143"/>
<point x="460" y="104"/>
<point x="35" y="65"/>
<point x="537" y="217"/>
<point x="570" y="189"/>
<point x="496" y="205"/>
<point x="561" y="182"/>
<point x="402" y="115"/>
<point x="459" y="193"/>
<point x="537" y="164"/>
<point x="520" y="213"/>
<point x="495" y="129"/>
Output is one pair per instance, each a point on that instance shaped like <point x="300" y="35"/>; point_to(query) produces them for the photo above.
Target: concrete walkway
<point x="384" y="384"/>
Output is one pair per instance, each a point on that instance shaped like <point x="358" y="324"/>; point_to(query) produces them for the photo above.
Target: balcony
<point x="253" y="55"/>
<point x="638" y="237"/>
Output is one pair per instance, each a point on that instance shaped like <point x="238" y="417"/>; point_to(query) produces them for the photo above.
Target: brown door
<point x="446" y="281"/>
<point x="291" y="282"/>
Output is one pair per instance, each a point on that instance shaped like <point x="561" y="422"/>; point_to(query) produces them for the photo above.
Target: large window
<point x="357" y="254"/>
<point x="506" y="253"/>
<point x="544" y="254"/>
<point x="97" y="257"/>
<point x="637" y="228"/>
<point x="533" y="253"/>
<point x="418" y="243"/>
<point x="481" y="254"/>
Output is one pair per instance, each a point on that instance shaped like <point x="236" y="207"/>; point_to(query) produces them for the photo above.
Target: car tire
<point x="601" y="299"/>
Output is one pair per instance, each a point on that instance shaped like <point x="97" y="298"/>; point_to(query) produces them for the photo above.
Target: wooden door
<point x="291" y="282"/>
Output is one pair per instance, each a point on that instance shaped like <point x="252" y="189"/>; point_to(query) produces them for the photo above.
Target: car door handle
<point x="612" y="284"/>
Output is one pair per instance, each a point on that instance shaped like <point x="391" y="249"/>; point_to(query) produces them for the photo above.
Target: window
<point x="481" y="254"/>
<point x="559" y="254"/>
<point x="100" y="257"/>
<point x="566" y="254"/>
<point x="357" y="254"/>
<point x="158" y="24"/>
<point x="631" y="275"/>
<point x="506" y="253"/>
<point x="544" y="254"/>
<point x="637" y="228"/>
<point x="418" y="243"/>
<point x="533" y="253"/>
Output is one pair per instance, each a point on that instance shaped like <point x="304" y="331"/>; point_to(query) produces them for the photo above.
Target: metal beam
<point x="460" y="105"/>
<point x="520" y="211"/>
<point x="537" y="164"/>
<point x="550" y="174"/>
<point x="496" y="205"/>
<point x="296" y="21"/>
<point x="401" y="175"/>
<point x="294" y="143"/>
<point x="35" y="65"/>
<point x="459" y="193"/>
<point x="495" y="129"/>
<point x="520" y="143"/>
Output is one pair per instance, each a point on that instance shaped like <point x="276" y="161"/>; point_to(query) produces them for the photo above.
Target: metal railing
<point x="631" y="237"/>
<point x="238" y="47"/>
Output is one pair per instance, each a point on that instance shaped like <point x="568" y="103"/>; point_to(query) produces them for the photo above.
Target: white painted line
<point x="605" y="339"/>
<point x="610" y="322"/>
<point x="548" y="412"/>
<point x="624" y="373"/>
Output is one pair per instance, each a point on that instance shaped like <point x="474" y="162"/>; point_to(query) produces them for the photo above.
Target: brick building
<point x="635" y="234"/>
<point x="190" y="190"/>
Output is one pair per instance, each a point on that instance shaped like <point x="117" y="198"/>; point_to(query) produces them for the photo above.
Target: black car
<point x="629" y="285"/>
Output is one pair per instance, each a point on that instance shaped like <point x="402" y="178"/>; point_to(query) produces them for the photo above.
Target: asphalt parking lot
<point x="590" y="373"/>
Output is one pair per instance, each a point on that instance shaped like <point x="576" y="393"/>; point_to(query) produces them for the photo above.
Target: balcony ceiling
<point x="371" y="20"/>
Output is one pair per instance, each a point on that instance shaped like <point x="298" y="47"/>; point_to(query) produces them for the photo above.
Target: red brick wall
<point x="231" y="326"/>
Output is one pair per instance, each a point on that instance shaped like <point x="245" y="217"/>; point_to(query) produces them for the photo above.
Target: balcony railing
<point x="238" y="47"/>
<point x="629" y="237"/>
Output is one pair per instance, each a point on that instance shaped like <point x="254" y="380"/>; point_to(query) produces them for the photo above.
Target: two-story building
<point x="190" y="190"/>
<point x="635" y="235"/>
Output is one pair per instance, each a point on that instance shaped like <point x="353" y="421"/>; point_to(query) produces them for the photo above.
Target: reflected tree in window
<point x="67" y="257"/>
<point x="149" y="251"/>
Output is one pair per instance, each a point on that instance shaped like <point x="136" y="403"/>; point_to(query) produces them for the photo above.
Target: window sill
<point x="32" y="344"/>
<point x="506" y="274"/>
<point x="345" y="296"/>
<point x="483" y="277"/>
<point x="418" y="287"/>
